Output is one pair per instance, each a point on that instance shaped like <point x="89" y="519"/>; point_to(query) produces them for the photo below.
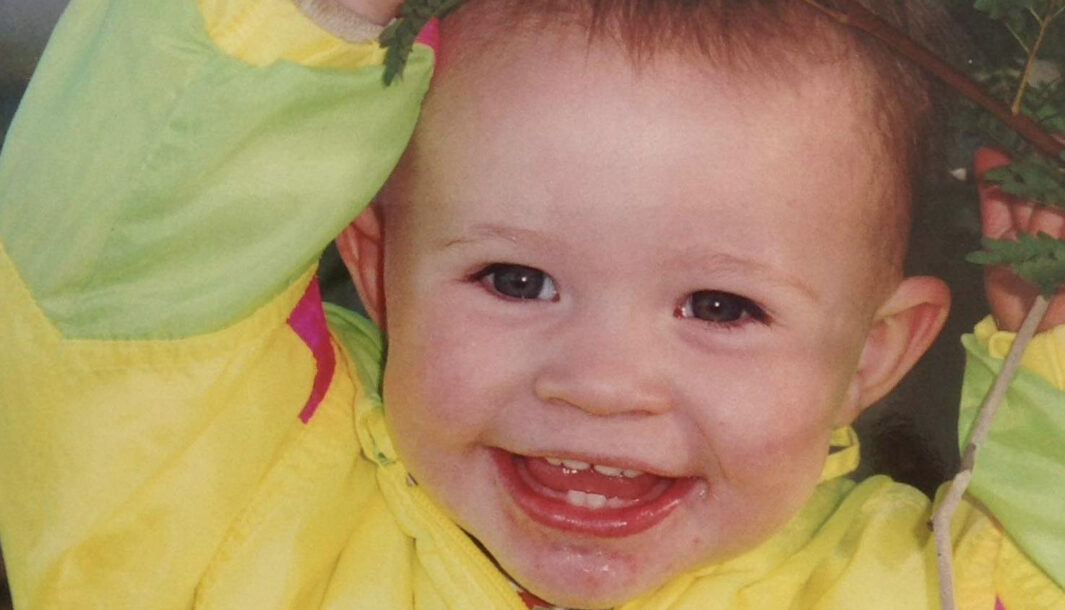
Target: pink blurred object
<point x="430" y="35"/>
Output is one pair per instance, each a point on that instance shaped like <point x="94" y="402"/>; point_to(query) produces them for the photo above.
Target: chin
<point x="585" y="578"/>
<point x="591" y="573"/>
<point x="588" y="572"/>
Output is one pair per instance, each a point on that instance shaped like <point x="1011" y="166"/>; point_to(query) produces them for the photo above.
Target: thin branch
<point x="1057" y="13"/>
<point x="944" y="544"/>
<point x="850" y="12"/>
<point x="1033" y="55"/>
<point x="994" y="399"/>
<point x="1018" y="38"/>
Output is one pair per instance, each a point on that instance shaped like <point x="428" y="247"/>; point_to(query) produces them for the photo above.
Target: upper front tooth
<point x="630" y="474"/>
<point x="609" y="471"/>
<point x="576" y="464"/>
<point x="553" y="461"/>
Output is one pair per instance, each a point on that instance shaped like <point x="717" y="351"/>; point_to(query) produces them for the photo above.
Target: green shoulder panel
<point x="154" y="187"/>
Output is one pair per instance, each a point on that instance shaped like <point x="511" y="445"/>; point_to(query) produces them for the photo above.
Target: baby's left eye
<point x="719" y="307"/>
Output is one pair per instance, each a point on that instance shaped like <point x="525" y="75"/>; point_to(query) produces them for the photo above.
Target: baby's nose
<point x="605" y="370"/>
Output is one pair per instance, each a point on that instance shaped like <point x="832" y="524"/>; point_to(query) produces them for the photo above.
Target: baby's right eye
<point x="517" y="282"/>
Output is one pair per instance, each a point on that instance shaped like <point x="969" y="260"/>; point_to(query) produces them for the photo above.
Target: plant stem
<point x="850" y="12"/>
<point x="1057" y="13"/>
<point x="1018" y="38"/>
<point x="1033" y="55"/>
<point x="994" y="399"/>
<point x="943" y="516"/>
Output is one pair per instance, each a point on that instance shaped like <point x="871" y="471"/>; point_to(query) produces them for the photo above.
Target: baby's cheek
<point x="785" y="449"/>
<point x="787" y="457"/>
<point x="465" y="374"/>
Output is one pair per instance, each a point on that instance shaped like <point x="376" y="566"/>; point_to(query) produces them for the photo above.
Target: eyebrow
<point x="728" y="262"/>
<point x="483" y="231"/>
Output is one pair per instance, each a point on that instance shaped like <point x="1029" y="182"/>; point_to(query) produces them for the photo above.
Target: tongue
<point x="564" y="479"/>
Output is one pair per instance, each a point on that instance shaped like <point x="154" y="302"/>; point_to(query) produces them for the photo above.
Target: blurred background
<point x="911" y="434"/>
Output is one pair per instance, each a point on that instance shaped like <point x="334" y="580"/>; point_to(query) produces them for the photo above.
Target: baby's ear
<point x="360" y="247"/>
<point x="903" y="329"/>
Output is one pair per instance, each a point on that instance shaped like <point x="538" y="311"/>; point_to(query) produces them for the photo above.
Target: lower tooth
<point x="576" y="498"/>
<point x="587" y="500"/>
<point x="595" y="501"/>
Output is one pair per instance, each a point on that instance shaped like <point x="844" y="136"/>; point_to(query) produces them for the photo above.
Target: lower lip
<point x="604" y="522"/>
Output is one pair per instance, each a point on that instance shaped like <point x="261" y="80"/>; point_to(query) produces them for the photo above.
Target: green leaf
<point x="999" y="9"/>
<point x="1022" y="19"/>
<point x="1045" y="104"/>
<point x="1038" y="259"/>
<point x="399" y="37"/>
<point x="1014" y="14"/>
<point x="1034" y="178"/>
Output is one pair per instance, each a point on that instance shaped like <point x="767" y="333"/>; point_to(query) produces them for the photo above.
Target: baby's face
<point x="662" y="274"/>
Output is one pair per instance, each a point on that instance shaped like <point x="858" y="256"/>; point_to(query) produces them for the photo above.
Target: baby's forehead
<point x="666" y="142"/>
<point x="769" y="41"/>
<point x="824" y="104"/>
<point x="494" y="42"/>
<point x="777" y="121"/>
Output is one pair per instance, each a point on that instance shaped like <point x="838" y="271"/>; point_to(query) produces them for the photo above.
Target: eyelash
<point x="534" y="280"/>
<point x="745" y="310"/>
<point x="490" y="277"/>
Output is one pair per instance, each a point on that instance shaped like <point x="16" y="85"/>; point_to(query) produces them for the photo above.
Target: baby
<point x="687" y="271"/>
<point x="627" y="300"/>
<point x="638" y="270"/>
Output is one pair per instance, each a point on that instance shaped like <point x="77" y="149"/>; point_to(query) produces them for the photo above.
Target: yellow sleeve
<point x="165" y="191"/>
<point x="1045" y="355"/>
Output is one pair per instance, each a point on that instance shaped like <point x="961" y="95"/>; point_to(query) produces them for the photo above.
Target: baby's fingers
<point x="1047" y="220"/>
<point x="1004" y="216"/>
<point x="996" y="208"/>
<point x="1022" y="213"/>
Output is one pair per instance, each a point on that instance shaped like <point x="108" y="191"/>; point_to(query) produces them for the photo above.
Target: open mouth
<point x="589" y="498"/>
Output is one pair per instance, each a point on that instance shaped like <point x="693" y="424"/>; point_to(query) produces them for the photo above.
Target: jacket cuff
<point x="1045" y="355"/>
<point x="310" y="33"/>
<point x="334" y="18"/>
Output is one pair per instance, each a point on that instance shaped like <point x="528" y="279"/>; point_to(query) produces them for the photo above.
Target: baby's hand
<point x="1004" y="217"/>
<point x="377" y="11"/>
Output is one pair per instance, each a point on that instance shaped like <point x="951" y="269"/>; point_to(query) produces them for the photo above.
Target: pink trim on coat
<point x="308" y="320"/>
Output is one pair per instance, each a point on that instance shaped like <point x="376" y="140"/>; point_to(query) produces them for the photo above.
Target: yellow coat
<point x="178" y="429"/>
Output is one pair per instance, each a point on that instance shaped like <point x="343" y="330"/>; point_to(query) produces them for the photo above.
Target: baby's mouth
<point x="587" y="498"/>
